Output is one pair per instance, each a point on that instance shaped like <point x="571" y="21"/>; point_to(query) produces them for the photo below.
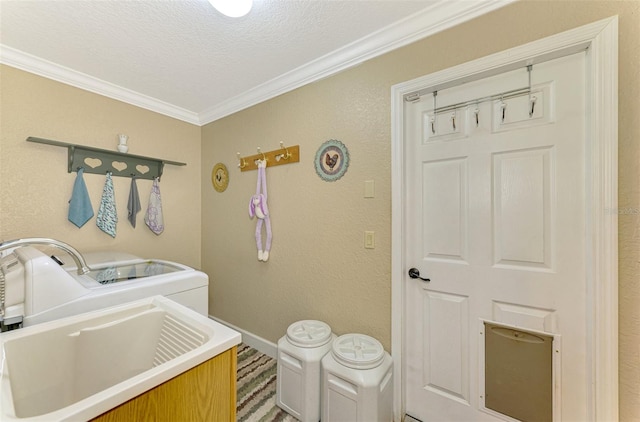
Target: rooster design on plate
<point x="331" y="161"/>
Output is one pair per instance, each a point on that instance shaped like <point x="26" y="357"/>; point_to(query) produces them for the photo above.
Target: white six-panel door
<point x="495" y="218"/>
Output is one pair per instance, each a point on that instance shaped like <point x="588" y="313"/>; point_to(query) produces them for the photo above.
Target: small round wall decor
<point x="332" y="160"/>
<point x="220" y="177"/>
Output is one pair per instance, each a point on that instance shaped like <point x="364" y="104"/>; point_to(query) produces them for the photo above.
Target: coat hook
<point x="262" y="153"/>
<point x="477" y="112"/>
<point x="242" y="164"/>
<point x="435" y="110"/>
<point x="287" y="154"/>
<point x="503" y="105"/>
<point x="453" y="120"/>
<point x="532" y="100"/>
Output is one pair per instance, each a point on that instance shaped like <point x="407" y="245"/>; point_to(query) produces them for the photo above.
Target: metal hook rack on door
<point x="500" y="97"/>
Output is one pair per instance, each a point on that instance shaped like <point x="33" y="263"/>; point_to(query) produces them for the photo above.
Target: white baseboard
<point x="264" y="346"/>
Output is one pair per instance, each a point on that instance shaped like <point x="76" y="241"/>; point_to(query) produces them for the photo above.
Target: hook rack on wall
<point x="101" y="161"/>
<point x="277" y="157"/>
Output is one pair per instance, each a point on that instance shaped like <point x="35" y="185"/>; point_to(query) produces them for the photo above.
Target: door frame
<point x="600" y="40"/>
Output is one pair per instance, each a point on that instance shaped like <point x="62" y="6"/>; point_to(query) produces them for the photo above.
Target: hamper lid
<point x="358" y="351"/>
<point x="308" y="333"/>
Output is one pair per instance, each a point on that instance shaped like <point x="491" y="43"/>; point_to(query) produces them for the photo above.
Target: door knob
<point x="415" y="273"/>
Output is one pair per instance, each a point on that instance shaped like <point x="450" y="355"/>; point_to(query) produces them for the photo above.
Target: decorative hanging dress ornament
<point x="258" y="208"/>
<point x="332" y="160"/>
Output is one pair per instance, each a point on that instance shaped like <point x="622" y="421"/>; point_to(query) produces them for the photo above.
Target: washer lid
<point x="358" y="351"/>
<point x="308" y="333"/>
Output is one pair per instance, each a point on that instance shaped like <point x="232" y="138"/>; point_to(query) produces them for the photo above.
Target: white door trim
<point x="601" y="41"/>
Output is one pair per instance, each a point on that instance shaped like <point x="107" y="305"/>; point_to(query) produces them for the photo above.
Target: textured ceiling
<point x="183" y="58"/>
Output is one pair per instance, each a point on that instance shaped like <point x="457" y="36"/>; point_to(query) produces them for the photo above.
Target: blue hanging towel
<point x="80" y="209"/>
<point x="107" y="216"/>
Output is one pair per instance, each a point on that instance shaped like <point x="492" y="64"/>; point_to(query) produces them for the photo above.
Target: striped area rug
<point x="257" y="388"/>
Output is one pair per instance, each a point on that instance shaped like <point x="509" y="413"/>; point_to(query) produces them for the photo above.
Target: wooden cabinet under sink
<point x="206" y="392"/>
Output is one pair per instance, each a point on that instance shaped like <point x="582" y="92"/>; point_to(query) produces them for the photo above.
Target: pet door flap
<point x="518" y="373"/>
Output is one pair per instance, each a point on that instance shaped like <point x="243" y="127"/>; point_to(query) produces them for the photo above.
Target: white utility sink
<point x="79" y="367"/>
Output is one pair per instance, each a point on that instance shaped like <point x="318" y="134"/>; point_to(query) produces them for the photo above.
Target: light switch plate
<point x="369" y="240"/>
<point x="369" y="189"/>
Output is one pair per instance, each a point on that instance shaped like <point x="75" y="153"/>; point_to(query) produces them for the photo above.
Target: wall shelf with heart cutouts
<point x="101" y="161"/>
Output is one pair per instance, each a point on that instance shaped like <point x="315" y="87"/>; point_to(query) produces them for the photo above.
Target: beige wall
<point x="318" y="267"/>
<point x="35" y="186"/>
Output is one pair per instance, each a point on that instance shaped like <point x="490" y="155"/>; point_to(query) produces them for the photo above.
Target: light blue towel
<point x="80" y="209"/>
<point x="107" y="215"/>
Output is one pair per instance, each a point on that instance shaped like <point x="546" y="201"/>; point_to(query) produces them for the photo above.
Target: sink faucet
<point x="83" y="268"/>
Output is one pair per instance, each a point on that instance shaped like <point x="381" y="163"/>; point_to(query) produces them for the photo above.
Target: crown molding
<point x="440" y="16"/>
<point x="32" y="64"/>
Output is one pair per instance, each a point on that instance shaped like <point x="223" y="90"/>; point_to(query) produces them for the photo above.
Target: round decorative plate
<point x="332" y="160"/>
<point x="220" y="177"/>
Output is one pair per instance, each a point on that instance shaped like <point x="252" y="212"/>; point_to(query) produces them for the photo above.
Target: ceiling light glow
<point x="232" y="8"/>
